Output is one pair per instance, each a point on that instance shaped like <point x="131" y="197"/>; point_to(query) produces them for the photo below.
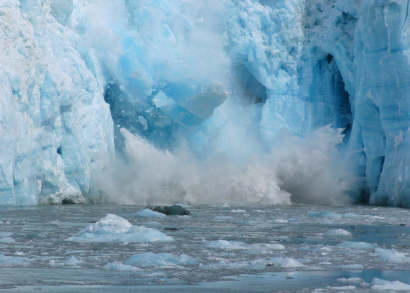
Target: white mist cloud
<point x="303" y="169"/>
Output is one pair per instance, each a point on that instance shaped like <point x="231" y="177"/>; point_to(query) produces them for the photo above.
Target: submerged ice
<point x="245" y="101"/>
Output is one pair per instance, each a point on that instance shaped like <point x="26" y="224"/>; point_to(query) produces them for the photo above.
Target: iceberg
<point x="209" y="78"/>
<point x="115" y="229"/>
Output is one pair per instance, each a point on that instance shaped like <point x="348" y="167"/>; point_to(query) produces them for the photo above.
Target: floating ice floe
<point x="226" y="206"/>
<point x="258" y="264"/>
<point x="259" y="248"/>
<point x="287" y="262"/>
<point x="72" y="262"/>
<point x="351" y="215"/>
<point x="279" y="221"/>
<point x="227" y="245"/>
<point x="222" y="218"/>
<point x="337" y="233"/>
<point x="159" y="259"/>
<point x="266" y="248"/>
<point x="5" y="237"/>
<point x="350" y="280"/>
<point x="113" y="228"/>
<point x="350" y="267"/>
<point x="383" y="285"/>
<point x="13" y="260"/>
<point x="147" y="213"/>
<point x="391" y="256"/>
<point x="238" y="211"/>
<point x="342" y="288"/>
<point x="119" y="267"/>
<point x="356" y="245"/>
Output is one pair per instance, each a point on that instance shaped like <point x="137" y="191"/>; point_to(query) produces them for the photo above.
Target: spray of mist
<point x="303" y="169"/>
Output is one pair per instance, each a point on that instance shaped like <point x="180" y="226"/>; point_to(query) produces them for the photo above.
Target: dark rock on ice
<point x="171" y="229"/>
<point x="174" y="210"/>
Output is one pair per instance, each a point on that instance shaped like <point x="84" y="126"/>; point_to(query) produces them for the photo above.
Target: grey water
<point x="238" y="249"/>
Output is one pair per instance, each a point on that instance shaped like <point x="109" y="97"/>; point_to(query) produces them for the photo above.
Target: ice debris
<point x="113" y="228"/>
<point x="391" y="256"/>
<point x="356" y="245"/>
<point x="160" y="259"/>
<point x="389" y="286"/>
<point x="13" y="260"/>
<point x="147" y="213"/>
<point x="337" y="233"/>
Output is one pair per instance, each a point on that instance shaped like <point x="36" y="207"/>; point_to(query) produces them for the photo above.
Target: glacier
<point x="258" y="101"/>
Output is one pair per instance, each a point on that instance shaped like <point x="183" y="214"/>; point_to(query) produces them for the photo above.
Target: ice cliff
<point x="217" y="77"/>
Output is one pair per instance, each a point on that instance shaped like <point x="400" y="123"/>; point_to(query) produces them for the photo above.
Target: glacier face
<point x="55" y="127"/>
<point x="222" y="76"/>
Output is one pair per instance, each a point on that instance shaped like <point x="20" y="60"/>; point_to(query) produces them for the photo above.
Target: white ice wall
<point x="165" y="66"/>
<point x="55" y="127"/>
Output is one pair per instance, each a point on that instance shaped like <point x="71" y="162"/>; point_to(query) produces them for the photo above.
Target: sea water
<point x="296" y="248"/>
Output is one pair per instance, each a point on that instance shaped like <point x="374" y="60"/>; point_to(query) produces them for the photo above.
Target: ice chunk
<point x="73" y="261"/>
<point x="7" y="240"/>
<point x="287" y="262"/>
<point x="356" y="245"/>
<point x="343" y="288"/>
<point x="390" y="286"/>
<point x="238" y="211"/>
<point x="351" y="215"/>
<point x="222" y="218"/>
<point x="113" y="228"/>
<point x="266" y="248"/>
<point x="291" y="263"/>
<point x="119" y="267"/>
<point x="147" y="213"/>
<point x="13" y="260"/>
<point x="391" y="256"/>
<point x="227" y="245"/>
<point x="160" y="259"/>
<point x="337" y="233"/>
<point x="279" y="221"/>
<point x="350" y="267"/>
<point x="190" y="102"/>
<point x="199" y="98"/>
<point x="350" y="280"/>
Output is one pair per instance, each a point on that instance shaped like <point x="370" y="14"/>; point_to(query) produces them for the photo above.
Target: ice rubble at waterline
<point x="216" y="83"/>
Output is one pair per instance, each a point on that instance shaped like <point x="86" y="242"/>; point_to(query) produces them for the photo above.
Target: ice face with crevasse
<point x="221" y="91"/>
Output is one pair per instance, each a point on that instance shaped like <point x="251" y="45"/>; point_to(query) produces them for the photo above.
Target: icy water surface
<point x="298" y="248"/>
